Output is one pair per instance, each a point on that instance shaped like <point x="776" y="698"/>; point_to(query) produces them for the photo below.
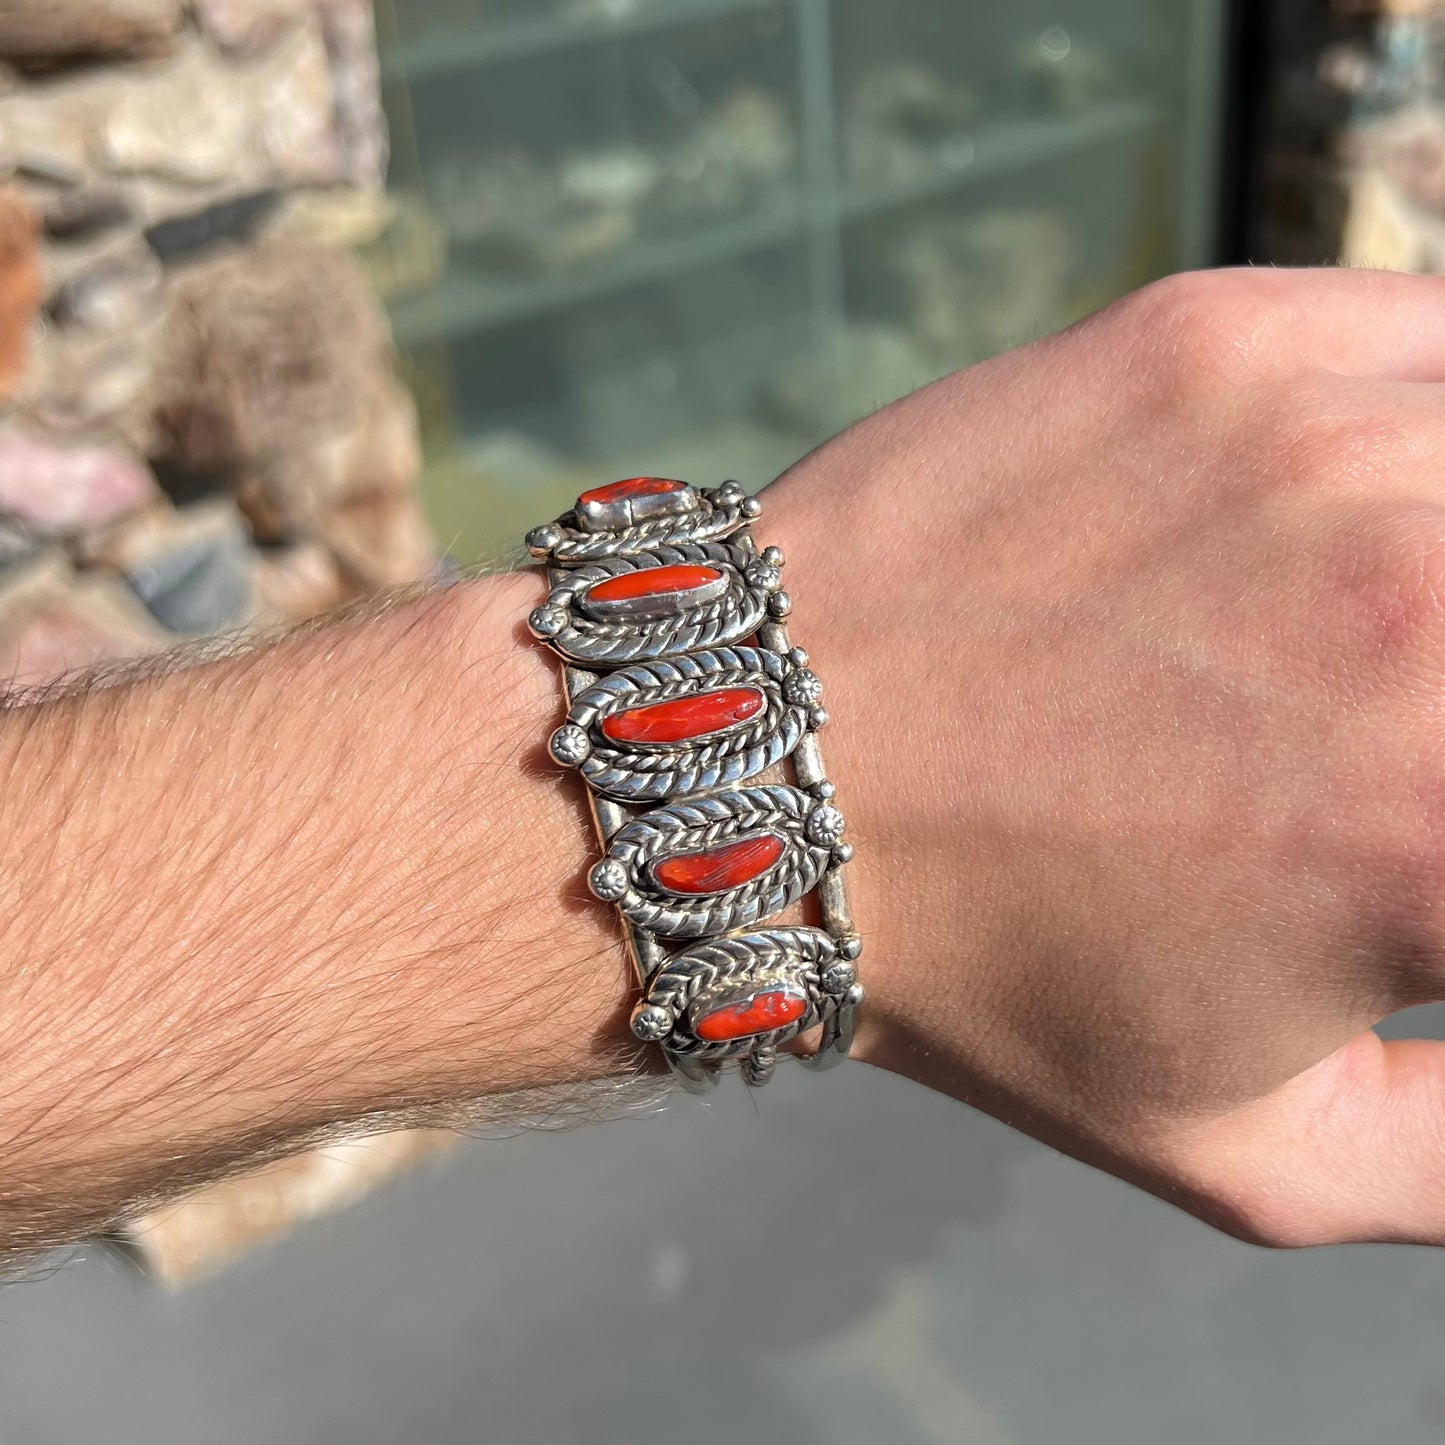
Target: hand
<point x="1134" y="642"/>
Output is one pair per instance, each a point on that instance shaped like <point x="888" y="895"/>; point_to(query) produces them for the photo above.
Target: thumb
<point x="1352" y="1149"/>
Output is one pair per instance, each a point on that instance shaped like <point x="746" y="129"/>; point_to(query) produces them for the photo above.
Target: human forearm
<point x="1134" y="646"/>
<point x="297" y="886"/>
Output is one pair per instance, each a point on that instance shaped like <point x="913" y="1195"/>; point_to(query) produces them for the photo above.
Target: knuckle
<point x="1311" y="436"/>
<point x="1272" y="1219"/>
<point x="1258" y="1206"/>
<point x="1389" y="580"/>
<point x="1204" y="327"/>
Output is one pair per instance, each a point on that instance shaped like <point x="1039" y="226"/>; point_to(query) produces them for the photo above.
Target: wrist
<point x="540" y="987"/>
<point x="923" y="951"/>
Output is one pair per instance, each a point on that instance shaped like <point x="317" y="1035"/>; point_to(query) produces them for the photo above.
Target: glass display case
<point x="696" y="237"/>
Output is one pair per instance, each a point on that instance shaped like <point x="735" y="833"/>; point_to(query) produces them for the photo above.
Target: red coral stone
<point x="714" y="870"/>
<point x="632" y="487"/>
<point x="756" y="1015"/>
<point x="682" y="719"/>
<point x="650" y="581"/>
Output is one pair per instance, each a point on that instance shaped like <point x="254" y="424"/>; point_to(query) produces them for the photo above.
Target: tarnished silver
<point x="738" y="989"/>
<point x="726" y="614"/>
<point x="573" y="541"/>
<point x="645" y="772"/>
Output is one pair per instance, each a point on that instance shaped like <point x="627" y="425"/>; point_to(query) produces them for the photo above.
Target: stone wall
<point x="203" y="427"/>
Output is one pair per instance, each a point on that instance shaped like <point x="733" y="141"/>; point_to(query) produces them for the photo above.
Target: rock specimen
<point x="43" y="32"/>
<point x="275" y="371"/>
<point x="54" y="489"/>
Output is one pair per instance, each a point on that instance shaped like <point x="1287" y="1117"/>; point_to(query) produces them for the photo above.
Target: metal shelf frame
<point x="474" y="302"/>
<point x="826" y="204"/>
<point x="516" y="40"/>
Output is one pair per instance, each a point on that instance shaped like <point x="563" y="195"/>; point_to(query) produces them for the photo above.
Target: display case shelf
<point x="443" y="54"/>
<point x="1001" y="149"/>
<point x="468" y="301"/>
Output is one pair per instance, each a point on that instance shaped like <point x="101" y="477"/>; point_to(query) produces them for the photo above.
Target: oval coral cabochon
<point x="717" y="869"/>
<point x="684" y="719"/>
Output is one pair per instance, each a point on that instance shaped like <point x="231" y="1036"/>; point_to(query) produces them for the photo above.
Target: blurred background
<point x="301" y="299"/>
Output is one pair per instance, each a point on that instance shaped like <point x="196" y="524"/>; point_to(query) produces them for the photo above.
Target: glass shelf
<point x="440" y="54"/>
<point x="670" y="231"/>
<point x="1000" y="149"/>
<point x="468" y="301"/>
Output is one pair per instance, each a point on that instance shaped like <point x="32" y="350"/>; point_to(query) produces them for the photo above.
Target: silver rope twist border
<point x="645" y="773"/>
<point x="818" y="961"/>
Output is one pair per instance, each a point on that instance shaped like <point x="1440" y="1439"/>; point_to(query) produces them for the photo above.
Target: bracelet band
<point x="684" y="695"/>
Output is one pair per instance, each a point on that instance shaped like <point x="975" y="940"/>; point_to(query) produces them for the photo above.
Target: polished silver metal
<point x="573" y="541"/>
<point x="735" y="971"/>
<point x="737" y="968"/>
<point x="695" y="826"/>
<point x="632" y="508"/>
<point x="726" y="614"/>
<point x="644" y="772"/>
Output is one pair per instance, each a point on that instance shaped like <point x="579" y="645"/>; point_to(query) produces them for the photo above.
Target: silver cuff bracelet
<point x="682" y="692"/>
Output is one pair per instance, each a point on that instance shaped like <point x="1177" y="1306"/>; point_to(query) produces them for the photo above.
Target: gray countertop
<point x="841" y="1259"/>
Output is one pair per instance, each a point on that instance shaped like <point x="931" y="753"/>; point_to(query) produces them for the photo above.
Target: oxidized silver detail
<point x="609" y="880"/>
<point x="824" y="826"/>
<point x="716" y="517"/>
<point x="649" y="772"/>
<point x="802" y="687"/>
<point x="652" y="1023"/>
<point x="713" y="820"/>
<point x="570" y="745"/>
<point x="594" y="642"/>
<point x="700" y="978"/>
<point x="717" y="984"/>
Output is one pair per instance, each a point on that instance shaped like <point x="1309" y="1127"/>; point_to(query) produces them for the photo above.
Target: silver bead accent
<point x="855" y="995"/>
<point x="802" y="688"/>
<point x="773" y="556"/>
<point x="839" y="977"/>
<point x="609" y="880"/>
<point x="570" y="745"/>
<point x="730" y="491"/>
<point x="762" y="576"/>
<point x="779" y="604"/>
<point x="752" y="508"/>
<point x="757" y="1067"/>
<point x="818" y="717"/>
<point x="547" y="621"/>
<point x="651" y="1023"/>
<point x="824" y="826"/>
<point x="541" y="540"/>
<point x="823" y="790"/>
<point x="798" y="656"/>
<point x="851" y="947"/>
<point x="842" y="853"/>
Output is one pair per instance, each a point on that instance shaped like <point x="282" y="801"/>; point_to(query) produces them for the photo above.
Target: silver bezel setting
<point x="564" y="621"/>
<point x="695" y="980"/>
<point x="697" y="824"/>
<point x="717" y="516"/>
<point x="698" y="953"/>
<point x="652" y="772"/>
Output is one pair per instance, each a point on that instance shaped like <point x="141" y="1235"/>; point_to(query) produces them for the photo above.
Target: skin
<point x="1134" y="645"/>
